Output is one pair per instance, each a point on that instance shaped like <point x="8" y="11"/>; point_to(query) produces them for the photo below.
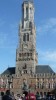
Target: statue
<point x="24" y="85"/>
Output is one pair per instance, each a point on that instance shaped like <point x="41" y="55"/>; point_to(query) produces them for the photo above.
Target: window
<point x="19" y="54"/>
<point x="26" y="12"/>
<point x="25" y="66"/>
<point x="30" y="54"/>
<point x="49" y="85"/>
<point x="25" y="71"/>
<point x="38" y="85"/>
<point x="26" y="37"/>
<point x="30" y="25"/>
<point x="27" y="54"/>
<point x="31" y="10"/>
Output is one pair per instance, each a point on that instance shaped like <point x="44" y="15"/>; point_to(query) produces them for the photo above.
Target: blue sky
<point x="45" y="20"/>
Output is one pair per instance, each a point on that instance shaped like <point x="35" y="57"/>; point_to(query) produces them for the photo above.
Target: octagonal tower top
<point x="27" y="12"/>
<point x="28" y="1"/>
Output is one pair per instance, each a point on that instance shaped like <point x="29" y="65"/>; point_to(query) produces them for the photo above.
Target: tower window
<point x="26" y="12"/>
<point x="30" y="25"/>
<point x="27" y="54"/>
<point x="26" y="37"/>
<point x="31" y="10"/>
<point x="30" y="54"/>
<point x="25" y="66"/>
<point x="25" y="71"/>
<point x="19" y="54"/>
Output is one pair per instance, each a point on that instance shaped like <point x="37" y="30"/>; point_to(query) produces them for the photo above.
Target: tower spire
<point x="29" y="1"/>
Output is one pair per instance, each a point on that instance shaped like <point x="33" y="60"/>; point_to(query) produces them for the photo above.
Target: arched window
<point x="19" y="54"/>
<point x="26" y="12"/>
<point x="25" y="66"/>
<point x="30" y="25"/>
<point x="26" y="37"/>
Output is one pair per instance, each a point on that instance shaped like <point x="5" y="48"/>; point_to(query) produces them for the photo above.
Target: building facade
<point x="28" y="75"/>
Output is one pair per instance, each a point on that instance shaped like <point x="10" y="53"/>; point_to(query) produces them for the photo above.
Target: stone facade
<point x="42" y="83"/>
<point x="25" y="76"/>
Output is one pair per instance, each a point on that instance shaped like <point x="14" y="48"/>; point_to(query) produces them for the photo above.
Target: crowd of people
<point x="10" y="96"/>
<point x="25" y="96"/>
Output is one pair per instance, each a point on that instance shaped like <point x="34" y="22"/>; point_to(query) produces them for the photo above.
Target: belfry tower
<point x="26" y="56"/>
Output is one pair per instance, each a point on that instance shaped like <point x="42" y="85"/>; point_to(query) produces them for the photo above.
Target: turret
<point x="27" y="13"/>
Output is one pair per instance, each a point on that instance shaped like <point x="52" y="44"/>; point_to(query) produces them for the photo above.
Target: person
<point x="1" y="96"/>
<point x="12" y="95"/>
<point x="37" y="95"/>
<point x="18" y="97"/>
<point x="23" y="97"/>
<point x="7" y="96"/>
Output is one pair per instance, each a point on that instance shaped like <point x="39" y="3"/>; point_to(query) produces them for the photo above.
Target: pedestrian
<point x="18" y="97"/>
<point x="23" y="97"/>
<point x="12" y="95"/>
<point x="1" y="96"/>
<point x="7" y="96"/>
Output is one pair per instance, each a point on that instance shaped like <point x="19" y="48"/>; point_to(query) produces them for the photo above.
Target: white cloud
<point x="48" y="56"/>
<point x="46" y="26"/>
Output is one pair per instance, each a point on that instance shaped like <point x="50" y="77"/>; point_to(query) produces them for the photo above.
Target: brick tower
<point x="26" y="56"/>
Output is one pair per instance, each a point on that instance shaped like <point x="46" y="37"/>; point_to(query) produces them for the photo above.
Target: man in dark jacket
<point x="7" y="96"/>
<point x="2" y="94"/>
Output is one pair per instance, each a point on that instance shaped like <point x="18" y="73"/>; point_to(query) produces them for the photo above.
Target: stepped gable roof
<point x="9" y="71"/>
<point x="44" y="69"/>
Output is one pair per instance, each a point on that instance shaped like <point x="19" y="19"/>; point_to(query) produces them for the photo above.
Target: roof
<point x="44" y="69"/>
<point x="9" y="71"/>
<point x="39" y="69"/>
